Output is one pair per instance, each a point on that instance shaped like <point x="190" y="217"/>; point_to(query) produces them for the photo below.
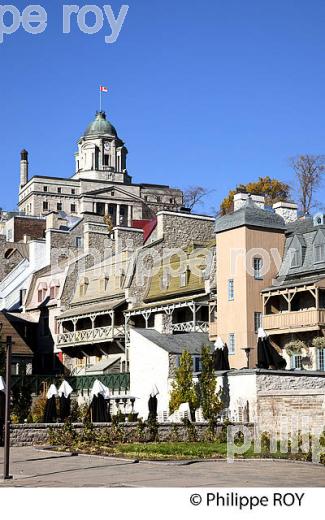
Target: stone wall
<point x="33" y="434"/>
<point x="293" y="398"/>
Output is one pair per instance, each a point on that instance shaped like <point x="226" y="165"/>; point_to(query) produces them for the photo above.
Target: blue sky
<point x="214" y="92"/>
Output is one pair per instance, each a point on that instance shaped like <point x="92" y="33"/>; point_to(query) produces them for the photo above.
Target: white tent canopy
<point x="99" y="389"/>
<point x="52" y="391"/>
<point x="218" y="344"/>
<point x="65" y="389"/>
<point x="2" y="384"/>
<point x="154" y="391"/>
<point x="261" y="333"/>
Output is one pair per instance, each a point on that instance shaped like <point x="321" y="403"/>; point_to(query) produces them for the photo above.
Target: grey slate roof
<point x="250" y="215"/>
<point x="303" y="233"/>
<point x="177" y="343"/>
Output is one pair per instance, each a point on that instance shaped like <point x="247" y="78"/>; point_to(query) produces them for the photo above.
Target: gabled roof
<point x="19" y="347"/>
<point x="250" y="215"/>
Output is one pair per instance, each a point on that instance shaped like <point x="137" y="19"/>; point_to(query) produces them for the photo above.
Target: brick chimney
<point x="23" y="168"/>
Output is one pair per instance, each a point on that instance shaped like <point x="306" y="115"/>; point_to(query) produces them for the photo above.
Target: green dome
<point x="100" y="125"/>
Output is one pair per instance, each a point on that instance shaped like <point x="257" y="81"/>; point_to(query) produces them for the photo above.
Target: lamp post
<point x="6" y="475"/>
<point x="247" y="351"/>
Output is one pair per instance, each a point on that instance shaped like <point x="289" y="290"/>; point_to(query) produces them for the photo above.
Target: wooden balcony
<point x="90" y="336"/>
<point x="190" y="326"/>
<point x="296" y="321"/>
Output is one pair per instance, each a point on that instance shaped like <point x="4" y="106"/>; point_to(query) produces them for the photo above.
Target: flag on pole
<point x="103" y="89"/>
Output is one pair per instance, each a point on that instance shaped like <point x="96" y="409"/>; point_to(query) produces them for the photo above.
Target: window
<point x="73" y="208"/>
<point x="320" y="359"/>
<point x="231" y="343"/>
<point x="296" y="361"/>
<point x="44" y="188"/>
<point x="112" y="193"/>
<point x="41" y="292"/>
<point x="165" y="280"/>
<point x="53" y="292"/>
<point x="45" y="205"/>
<point x="197" y="367"/>
<point x="158" y="199"/>
<point x="79" y="242"/>
<point x="319" y="253"/>
<point x="231" y="290"/>
<point x="106" y="160"/>
<point x="59" y="206"/>
<point x="73" y="191"/>
<point x="258" y="264"/>
<point x="295" y="258"/>
<point x="183" y="279"/>
<point x="59" y="190"/>
<point x="257" y="321"/>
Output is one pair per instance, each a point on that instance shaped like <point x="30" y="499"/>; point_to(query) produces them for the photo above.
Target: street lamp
<point x="8" y="345"/>
<point x="247" y="351"/>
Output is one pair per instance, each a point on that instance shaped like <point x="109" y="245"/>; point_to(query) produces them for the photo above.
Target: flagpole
<point x="100" y="99"/>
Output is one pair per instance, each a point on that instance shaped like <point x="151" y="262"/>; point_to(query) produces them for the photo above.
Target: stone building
<point x="101" y="183"/>
<point x="294" y="305"/>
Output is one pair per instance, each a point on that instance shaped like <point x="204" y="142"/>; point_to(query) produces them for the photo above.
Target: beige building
<point x="101" y="183"/>
<point x="249" y="242"/>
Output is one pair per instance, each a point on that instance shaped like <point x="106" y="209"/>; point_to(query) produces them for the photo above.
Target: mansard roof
<point x="250" y="215"/>
<point x="304" y="234"/>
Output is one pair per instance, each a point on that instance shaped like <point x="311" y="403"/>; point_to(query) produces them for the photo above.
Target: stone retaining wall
<point x="32" y="434"/>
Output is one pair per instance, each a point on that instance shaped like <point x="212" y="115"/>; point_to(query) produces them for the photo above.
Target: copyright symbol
<point x="196" y="499"/>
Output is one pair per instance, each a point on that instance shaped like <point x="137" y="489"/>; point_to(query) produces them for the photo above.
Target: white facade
<point x="16" y="283"/>
<point x="149" y="366"/>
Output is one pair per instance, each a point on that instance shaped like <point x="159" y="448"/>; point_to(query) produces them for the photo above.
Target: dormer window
<point x="84" y="282"/>
<point x="319" y="253"/>
<point x="295" y="258"/>
<point x="41" y="292"/>
<point x="165" y="280"/>
<point x="54" y="289"/>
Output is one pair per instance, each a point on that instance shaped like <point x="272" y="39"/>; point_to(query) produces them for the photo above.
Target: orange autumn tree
<point x="273" y="189"/>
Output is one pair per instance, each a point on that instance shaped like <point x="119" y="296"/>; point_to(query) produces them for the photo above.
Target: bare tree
<point x="194" y="196"/>
<point x="309" y="170"/>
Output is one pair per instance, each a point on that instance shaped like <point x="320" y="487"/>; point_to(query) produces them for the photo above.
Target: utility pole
<point x="6" y="475"/>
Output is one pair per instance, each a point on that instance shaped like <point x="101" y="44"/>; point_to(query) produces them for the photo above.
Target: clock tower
<point x="101" y="153"/>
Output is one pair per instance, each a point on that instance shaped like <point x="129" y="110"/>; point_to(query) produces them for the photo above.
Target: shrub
<point x="38" y="409"/>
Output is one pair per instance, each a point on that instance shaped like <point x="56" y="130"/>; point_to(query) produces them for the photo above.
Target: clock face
<point x="107" y="146"/>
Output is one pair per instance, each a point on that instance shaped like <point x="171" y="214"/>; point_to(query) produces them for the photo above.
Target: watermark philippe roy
<point x="89" y="19"/>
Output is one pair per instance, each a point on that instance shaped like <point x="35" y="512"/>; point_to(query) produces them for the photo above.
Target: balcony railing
<point x="90" y="336"/>
<point x="190" y="326"/>
<point x="287" y="321"/>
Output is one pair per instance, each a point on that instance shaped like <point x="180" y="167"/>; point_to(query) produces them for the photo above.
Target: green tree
<point x="273" y="189"/>
<point x="183" y="389"/>
<point x="209" y="399"/>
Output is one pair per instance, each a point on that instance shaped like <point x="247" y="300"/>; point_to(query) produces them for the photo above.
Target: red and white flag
<point x="103" y="89"/>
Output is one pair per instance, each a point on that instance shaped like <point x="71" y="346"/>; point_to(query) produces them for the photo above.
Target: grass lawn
<point x="176" y="451"/>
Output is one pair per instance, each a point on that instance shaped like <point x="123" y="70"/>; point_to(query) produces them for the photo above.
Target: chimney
<point x="23" y="168"/>
<point x="286" y="210"/>
<point x="241" y="198"/>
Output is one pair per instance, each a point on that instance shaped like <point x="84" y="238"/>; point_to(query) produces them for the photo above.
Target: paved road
<point x="34" y="468"/>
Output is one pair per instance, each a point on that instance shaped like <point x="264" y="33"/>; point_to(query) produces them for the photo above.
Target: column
<point x="129" y="216"/>
<point x="118" y="207"/>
